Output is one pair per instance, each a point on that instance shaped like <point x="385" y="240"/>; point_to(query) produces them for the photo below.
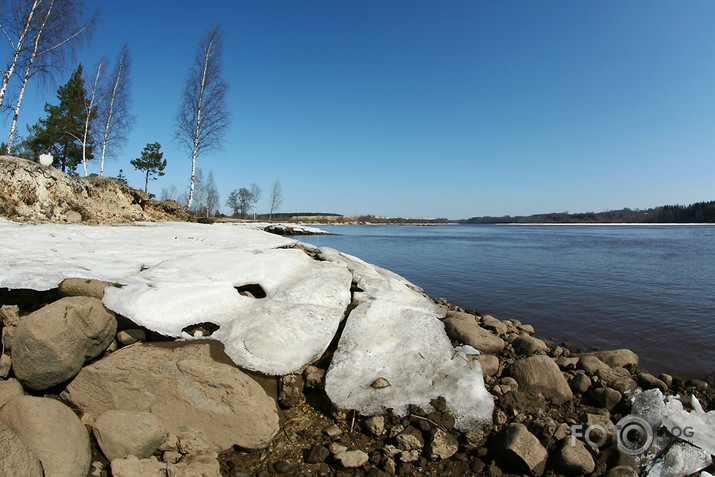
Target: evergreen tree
<point x="121" y="177"/>
<point x="61" y="132"/>
<point x="150" y="162"/>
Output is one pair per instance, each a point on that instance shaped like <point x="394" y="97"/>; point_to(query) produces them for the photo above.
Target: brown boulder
<point x="539" y="374"/>
<point x="463" y="327"/>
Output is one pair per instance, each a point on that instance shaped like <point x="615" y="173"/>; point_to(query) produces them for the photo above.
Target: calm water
<point x="647" y="288"/>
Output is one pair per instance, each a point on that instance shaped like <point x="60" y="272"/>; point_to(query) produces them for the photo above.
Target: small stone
<point x="380" y="383"/>
<point x="523" y="449"/>
<point x="171" y="457"/>
<point x="410" y="455"/>
<point x="5" y="365"/>
<point x="122" y="433"/>
<point x="333" y="431"/>
<point x="591" y="364"/>
<point x="290" y="390"/>
<point x="572" y="457"/>
<point x="336" y="448"/>
<point x="285" y="467"/>
<point x="666" y="378"/>
<point x="390" y="466"/>
<point x="410" y="439"/>
<point x="131" y="336"/>
<point x="73" y="217"/>
<point x="563" y="430"/>
<point x="442" y="445"/>
<point x="622" y="471"/>
<point x="580" y="383"/>
<point x="648" y="381"/>
<point x="529" y="345"/>
<point x="489" y="363"/>
<point x="526" y="329"/>
<point x="698" y="384"/>
<point x="317" y="453"/>
<point x="130" y="466"/>
<point x="195" y="465"/>
<point x="439" y="403"/>
<point x="606" y="398"/>
<point x="566" y="363"/>
<point x="352" y="459"/>
<point x="10" y="315"/>
<point x="492" y="324"/>
<point x="314" y="377"/>
<point x="83" y="287"/>
<point x="375" y="425"/>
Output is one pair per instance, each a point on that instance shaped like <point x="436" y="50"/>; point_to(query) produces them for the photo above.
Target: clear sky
<point x="429" y="108"/>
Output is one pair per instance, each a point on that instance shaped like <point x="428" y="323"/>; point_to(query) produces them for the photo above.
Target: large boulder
<point x="123" y="433"/>
<point x="539" y="374"/>
<point x="189" y="386"/>
<point x="617" y="358"/>
<point x="521" y="449"/>
<point x="52" y="432"/>
<point x="52" y="344"/>
<point x="16" y="459"/>
<point x="463" y="327"/>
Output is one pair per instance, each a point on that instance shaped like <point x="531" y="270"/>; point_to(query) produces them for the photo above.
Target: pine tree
<point x="150" y="162"/>
<point x="61" y="132"/>
<point x="121" y="177"/>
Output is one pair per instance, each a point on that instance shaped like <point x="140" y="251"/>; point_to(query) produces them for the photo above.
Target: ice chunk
<point x="696" y="427"/>
<point x="680" y="460"/>
<point x="395" y="333"/>
<point x="649" y="405"/>
<point x="279" y="334"/>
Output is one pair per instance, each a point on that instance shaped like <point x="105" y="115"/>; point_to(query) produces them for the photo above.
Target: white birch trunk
<point x="88" y="117"/>
<point x="110" y="114"/>
<point x="197" y="131"/>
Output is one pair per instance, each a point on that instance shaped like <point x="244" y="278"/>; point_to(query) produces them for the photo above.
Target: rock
<point x="317" y="453"/>
<point x="648" y="381"/>
<point x="622" y="471"/>
<point x="540" y="374"/>
<point x="617" y="378"/>
<point x="489" y="363"/>
<point x="592" y="365"/>
<point x="617" y="358"/>
<point x="52" y="344"/>
<point x="15" y="458"/>
<point x="410" y="439"/>
<point x="601" y="425"/>
<point x="336" y="448"/>
<point x="666" y="378"/>
<point x="710" y="379"/>
<point x="131" y="336"/>
<point x="492" y="324"/>
<point x="314" y="377"/>
<point x="606" y="398"/>
<point x="123" y="433"/>
<point x="463" y="327"/>
<point x="567" y="363"/>
<point x="698" y="384"/>
<point x="352" y="459"/>
<point x="285" y="467"/>
<point x="290" y="390"/>
<point x="195" y="466"/>
<point x="333" y="432"/>
<point x="9" y="389"/>
<point x="380" y="383"/>
<point x="375" y="425"/>
<point x="187" y="385"/>
<point x="5" y="365"/>
<point x="410" y="456"/>
<point x="52" y="432"/>
<point x="130" y="466"/>
<point x="192" y="443"/>
<point x="522" y="449"/>
<point x="83" y="287"/>
<point x="73" y="217"/>
<point x="526" y="329"/>
<point x="442" y="445"/>
<point x="10" y="318"/>
<point x="572" y="457"/>
<point x="529" y="345"/>
<point x="580" y="383"/>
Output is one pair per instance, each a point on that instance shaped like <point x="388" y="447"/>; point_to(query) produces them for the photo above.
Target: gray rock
<point x="522" y="449"/>
<point x="529" y="345"/>
<point x="410" y="439"/>
<point x="130" y="466"/>
<point x="442" y="445"/>
<point x="123" y="433"/>
<point x="492" y="324"/>
<point x="52" y="344"/>
<point x="617" y="358"/>
<point x="580" y="383"/>
<point x="9" y="389"/>
<point x="83" y="287"/>
<point x="195" y="466"/>
<point x="591" y="365"/>
<point x="352" y="459"/>
<point x="463" y="327"/>
<point x="131" y="336"/>
<point x="52" y="432"/>
<point x="606" y="398"/>
<point x="648" y="381"/>
<point x="375" y="425"/>
<point x="187" y="385"/>
<point x="540" y="374"/>
<point x="489" y="363"/>
<point x="572" y="457"/>
<point x="290" y="390"/>
<point x="15" y="458"/>
<point x="73" y="217"/>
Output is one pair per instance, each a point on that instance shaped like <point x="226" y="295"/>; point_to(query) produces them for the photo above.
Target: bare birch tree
<point x="114" y="118"/>
<point x="276" y="198"/>
<point x="90" y="111"/>
<point x="16" y="23"/>
<point x="56" y="30"/>
<point x="255" y="197"/>
<point x="203" y="116"/>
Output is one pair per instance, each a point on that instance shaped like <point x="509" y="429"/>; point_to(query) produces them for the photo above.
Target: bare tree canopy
<point x="114" y="119"/>
<point x="203" y="115"/>
<point x="255" y="197"/>
<point x="43" y="34"/>
<point x="276" y="198"/>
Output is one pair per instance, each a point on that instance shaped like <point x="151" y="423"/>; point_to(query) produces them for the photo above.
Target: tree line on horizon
<point x="700" y="212"/>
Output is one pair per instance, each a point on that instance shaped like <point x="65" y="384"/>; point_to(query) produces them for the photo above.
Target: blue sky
<point x="440" y="109"/>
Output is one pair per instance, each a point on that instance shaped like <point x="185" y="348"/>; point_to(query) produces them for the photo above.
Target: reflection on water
<point x="647" y="288"/>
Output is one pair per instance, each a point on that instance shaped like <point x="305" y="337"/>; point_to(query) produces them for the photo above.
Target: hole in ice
<point x="201" y="329"/>
<point x="251" y="291"/>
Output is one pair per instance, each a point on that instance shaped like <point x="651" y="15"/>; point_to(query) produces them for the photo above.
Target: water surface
<point x="647" y="288"/>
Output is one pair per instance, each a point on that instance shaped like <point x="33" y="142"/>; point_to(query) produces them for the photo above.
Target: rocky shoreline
<point x="540" y="389"/>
